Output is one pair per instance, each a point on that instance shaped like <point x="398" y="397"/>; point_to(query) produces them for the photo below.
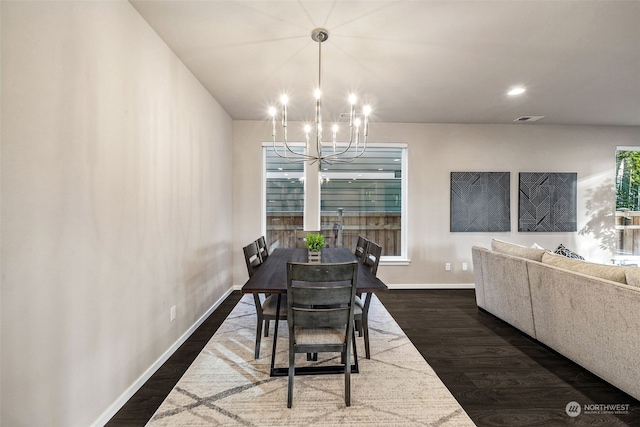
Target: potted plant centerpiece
<point x="315" y="243"/>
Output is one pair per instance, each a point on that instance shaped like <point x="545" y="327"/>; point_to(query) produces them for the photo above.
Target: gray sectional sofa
<point x="590" y="313"/>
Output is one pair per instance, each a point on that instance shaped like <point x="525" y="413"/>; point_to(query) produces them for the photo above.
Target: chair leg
<point x="355" y="352"/>
<point x="266" y="328"/>
<point x="347" y="378"/>
<point x="258" y="335"/>
<point x="367" y="351"/>
<point x="292" y="371"/>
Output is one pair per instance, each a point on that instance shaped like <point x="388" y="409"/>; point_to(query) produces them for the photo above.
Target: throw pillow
<point x="609" y="272"/>
<point x="517" y="250"/>
<point x="561" y="250"/>
<point x="633" y="276"/>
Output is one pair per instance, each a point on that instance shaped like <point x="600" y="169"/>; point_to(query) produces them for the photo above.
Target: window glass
<point x="369" y="191"/>
<point x="284" y="198"/>
<point x="627" y="225"/>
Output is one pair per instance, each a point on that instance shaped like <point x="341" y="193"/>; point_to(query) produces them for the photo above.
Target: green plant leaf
<point x="315" y="242"/>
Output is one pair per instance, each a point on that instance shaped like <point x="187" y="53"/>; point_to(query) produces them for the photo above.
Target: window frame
<point x="401" y="259"/>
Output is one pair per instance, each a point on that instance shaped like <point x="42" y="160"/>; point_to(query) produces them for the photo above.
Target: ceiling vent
<point x="529" y="118"/>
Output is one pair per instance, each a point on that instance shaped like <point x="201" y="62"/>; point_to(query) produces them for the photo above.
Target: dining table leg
<point x="275" y="336"/>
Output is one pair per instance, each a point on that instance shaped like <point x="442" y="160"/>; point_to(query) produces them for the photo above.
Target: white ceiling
<point x="414" y="61"/>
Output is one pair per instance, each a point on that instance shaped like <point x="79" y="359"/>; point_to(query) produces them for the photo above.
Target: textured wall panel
<point x="480" y="201"/>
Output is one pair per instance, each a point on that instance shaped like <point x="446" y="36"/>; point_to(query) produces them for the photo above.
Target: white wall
<point x="436" y="150"/>
<point x="116" y="205"/>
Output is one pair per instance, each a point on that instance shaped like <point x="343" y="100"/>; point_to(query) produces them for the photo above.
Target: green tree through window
<point x="627" y="180"/>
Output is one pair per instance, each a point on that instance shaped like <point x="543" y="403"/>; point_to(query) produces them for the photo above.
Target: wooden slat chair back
<point x="361" y="247"/>
<point x="320" y="303"/>
<point x="372" y="256"/>
<point x="263" y="250"/>
<point x="252" y="257"/>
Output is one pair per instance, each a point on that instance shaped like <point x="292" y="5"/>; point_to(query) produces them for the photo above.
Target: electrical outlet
<point x="464" y="266"/>
<point x="172" y="313"/>
<point x="447" y="266"/>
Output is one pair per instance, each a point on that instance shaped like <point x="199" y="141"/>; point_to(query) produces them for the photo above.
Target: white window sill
<point x="394" y="261"/>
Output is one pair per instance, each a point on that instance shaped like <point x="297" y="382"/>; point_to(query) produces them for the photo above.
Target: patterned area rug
<point x="225" y="386"/>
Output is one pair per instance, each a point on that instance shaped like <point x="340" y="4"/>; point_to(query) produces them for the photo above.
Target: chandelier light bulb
<point x="317" y="93"/>
<point x="353" y="99"/>
<point x="366" y="110"/>
<point x="284" y="99"/>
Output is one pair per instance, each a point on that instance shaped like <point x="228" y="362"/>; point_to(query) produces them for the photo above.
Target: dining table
<point x="271" y="278"/>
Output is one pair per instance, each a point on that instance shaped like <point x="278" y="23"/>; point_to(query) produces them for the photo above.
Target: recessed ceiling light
<point x="516" y="91"/>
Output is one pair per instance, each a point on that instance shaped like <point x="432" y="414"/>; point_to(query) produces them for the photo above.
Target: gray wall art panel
<point x="480" y="201"/>
<point x="547" y="201"/>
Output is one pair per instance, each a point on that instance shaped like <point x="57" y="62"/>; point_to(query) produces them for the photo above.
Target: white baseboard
<point x="119" y="403"/>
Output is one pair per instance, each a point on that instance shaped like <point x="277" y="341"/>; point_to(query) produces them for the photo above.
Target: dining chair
<point x="266" y="305"/>
<point x="263" y="249"/>
<point x="361" y="247"/>
<point x="371" y="259"/>
<point x="320" y="314"/>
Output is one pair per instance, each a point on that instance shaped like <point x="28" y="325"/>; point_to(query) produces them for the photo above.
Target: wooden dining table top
<point x="271" y="276"/>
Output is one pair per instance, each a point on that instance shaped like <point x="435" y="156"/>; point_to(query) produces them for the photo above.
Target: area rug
<point x="226" y="386"/>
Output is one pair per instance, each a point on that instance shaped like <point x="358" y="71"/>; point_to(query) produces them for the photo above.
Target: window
<point x="370" y="192"/>
<point x="627" y="203"/>
<point x="284" y="195"/>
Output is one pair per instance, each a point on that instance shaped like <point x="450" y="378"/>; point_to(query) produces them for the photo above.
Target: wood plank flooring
<point x="499" y="375"/>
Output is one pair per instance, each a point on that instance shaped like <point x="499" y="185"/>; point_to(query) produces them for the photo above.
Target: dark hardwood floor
<point x="499" y="375"/>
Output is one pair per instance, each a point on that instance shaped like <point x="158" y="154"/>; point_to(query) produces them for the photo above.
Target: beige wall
<point x="436" y="150"/>
<point x="116" y="205"/>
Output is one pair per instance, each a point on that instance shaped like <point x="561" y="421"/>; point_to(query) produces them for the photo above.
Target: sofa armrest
<point x="476" y="256"/>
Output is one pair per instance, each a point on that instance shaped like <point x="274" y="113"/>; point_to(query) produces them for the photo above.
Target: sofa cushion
<point x="517" y="250"/>
<point x="608" y="272"/>
<point x="633" y="276"/>
<point x="562" y="250"/>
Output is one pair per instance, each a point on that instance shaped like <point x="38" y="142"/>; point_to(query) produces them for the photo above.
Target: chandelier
<point x="327" y="152"/>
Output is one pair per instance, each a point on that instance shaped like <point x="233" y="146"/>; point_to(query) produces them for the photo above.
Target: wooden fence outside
<point x="383" y="228"/>
<point x="627" y="232"/>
